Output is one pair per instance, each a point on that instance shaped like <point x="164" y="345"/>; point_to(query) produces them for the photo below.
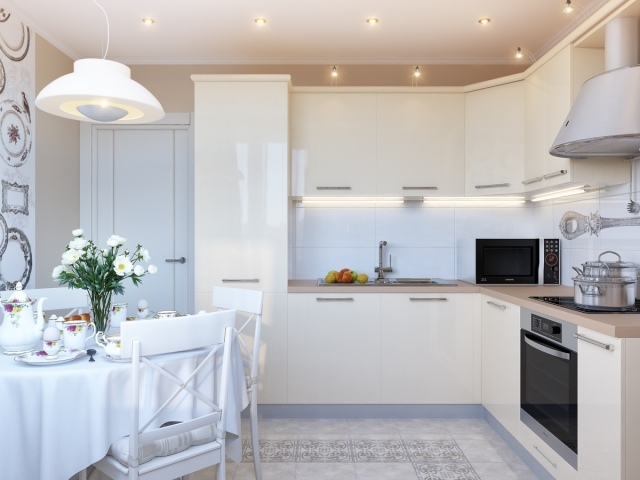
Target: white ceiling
<point x="330" y="32"/>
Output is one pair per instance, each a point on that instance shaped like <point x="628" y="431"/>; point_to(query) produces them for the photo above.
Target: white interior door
<point x="135" y="183"/>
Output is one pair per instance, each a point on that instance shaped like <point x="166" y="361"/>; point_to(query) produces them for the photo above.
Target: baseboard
<point x="369" y="411"/>
<point x="517" y="447"/>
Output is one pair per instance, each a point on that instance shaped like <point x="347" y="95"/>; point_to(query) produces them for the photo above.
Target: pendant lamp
<point x="101" y="91"/>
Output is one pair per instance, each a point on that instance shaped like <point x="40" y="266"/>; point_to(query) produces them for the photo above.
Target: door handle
<point x="176" y="260"/>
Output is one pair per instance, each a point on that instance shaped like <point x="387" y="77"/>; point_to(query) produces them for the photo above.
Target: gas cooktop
<point x="568" y="302"/>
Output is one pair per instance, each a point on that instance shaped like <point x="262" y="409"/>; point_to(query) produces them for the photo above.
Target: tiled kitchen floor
<point x="377" y="449"/>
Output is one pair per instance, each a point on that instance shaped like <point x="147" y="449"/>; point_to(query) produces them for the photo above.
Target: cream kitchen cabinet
<point x="334" y="349"/>
<point x="430" y="348"/>
<point x="549" y="93"/>
<point x="420" y="144"/>
<point x="333" y="144"/>
<point x="494" y="140"/>
<point x="501" y="361"/>
<point x="241" y="176"/>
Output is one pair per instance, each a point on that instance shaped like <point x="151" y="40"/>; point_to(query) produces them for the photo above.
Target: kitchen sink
<point x="390" y="282"/>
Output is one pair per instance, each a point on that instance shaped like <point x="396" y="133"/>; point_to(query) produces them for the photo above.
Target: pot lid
<point x="618" y="264"/>
<point x="18" y="295"/>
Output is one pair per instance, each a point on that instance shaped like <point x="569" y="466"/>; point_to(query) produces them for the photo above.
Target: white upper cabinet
<point x="420" y="144"/>
<point x="333" y="144"/>
<point x="494" y="139"/>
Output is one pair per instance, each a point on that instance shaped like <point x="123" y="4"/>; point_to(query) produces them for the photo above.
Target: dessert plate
<point x="39" y="357"/>
<point x="116" y="359"/>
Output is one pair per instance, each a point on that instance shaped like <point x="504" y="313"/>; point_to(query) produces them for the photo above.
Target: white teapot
<point x="20" y="330"/>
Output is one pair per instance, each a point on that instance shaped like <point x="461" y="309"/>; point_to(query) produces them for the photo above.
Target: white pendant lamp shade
<point x="101" y="91"/>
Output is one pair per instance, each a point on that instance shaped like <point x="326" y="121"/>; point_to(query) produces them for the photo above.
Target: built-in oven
<point x="549" y="382"/>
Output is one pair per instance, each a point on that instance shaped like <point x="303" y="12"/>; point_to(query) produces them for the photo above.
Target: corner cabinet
<point x="430" y="348"/>
<point x="494" y="140"/>
<point x="240" y="200"/>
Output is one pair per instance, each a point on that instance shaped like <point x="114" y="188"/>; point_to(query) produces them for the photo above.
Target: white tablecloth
<point x="55" y="420"/>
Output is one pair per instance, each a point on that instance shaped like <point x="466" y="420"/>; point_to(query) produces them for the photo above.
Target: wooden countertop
<point x="612" y="324"/>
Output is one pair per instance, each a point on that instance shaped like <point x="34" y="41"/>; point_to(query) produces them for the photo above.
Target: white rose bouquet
<point x="101" y="272"/>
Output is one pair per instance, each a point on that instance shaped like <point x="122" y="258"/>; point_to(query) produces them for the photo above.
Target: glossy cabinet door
<point x="430" y="347"/>
<point x="501" y="361"/>
<point x="547" y="457"/>
<point x="333" y="144"/>
<point x="334" y="348"/>
<point x="241" y="175"/>
<point x="420" y="144"/>
<point x="601" y="419"/>
<point x="494" y="140"/>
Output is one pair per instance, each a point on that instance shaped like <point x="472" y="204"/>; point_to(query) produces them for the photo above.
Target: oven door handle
<point x="547" y="350"/>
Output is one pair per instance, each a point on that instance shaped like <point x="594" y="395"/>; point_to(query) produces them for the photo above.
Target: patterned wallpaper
<point x="17" y="168"/>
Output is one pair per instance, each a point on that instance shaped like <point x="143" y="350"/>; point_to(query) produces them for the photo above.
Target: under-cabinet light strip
<point x="565" y="192"/>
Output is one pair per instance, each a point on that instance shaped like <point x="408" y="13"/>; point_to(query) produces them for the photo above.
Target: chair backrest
<point x="249" y="302"/>
<point x="57" y="298"/>
<point x="146" y="338"/>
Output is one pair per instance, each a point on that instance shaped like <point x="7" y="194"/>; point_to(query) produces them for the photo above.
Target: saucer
<point x="116" y="359"/>
<point x="41" y="358"/>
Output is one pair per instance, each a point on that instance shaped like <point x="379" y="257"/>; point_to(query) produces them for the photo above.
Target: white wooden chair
<point x="248" y="304"/>
<point x="181" y="448"/>
<point x="57" y="298"/>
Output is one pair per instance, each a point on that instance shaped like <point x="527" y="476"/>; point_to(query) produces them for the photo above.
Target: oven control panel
<point x="546" y="327"/>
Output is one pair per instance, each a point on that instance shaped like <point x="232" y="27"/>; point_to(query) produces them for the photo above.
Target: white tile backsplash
<point x="422" y="240"/>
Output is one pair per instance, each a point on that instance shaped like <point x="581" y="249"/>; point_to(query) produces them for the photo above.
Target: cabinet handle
<point x="494" y="185"/>
<point x="334" y="299"/>
<point x="176" y="260"/>
<point x="606" y="346"/>
<point x="240" y="280"/>
<point x="419" y="188"/>
<point x="554" y="174"/>
<point x="545" y="457"/>
<point x="333" y="188"/>
<point x="532" y="180"/>
<point x="497" y="305"/>
<point x="429" y="299"/>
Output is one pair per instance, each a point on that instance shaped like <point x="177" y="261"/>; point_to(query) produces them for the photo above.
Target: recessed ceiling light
<point x="334" y="72"/>
<point x="372" y="21"/>
<point x="484" y="20"/>
<point x="148" y="21"/>
<point x="260" y="21"/>
<point x="416" y="72"/>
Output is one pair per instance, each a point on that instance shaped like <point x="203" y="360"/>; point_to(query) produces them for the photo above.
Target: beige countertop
<point x="615" y="325"/>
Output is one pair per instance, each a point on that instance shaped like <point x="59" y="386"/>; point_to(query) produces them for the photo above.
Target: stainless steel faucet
<point x="380" y="269"/>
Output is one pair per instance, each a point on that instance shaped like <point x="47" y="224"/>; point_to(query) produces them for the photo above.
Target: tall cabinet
<point x="240" y="203"/>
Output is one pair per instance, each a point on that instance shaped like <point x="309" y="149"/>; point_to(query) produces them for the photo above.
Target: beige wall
<point x="57" y="170"/>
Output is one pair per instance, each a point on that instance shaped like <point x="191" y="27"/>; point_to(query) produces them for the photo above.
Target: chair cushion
<point x="164" y="447"/>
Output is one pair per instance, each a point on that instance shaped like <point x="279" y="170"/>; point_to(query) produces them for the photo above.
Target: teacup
<point x="110" y="343"/>
<point x="118" y="314"/>
<point x="51" y="347"/>
<point x="166" y="313"/>
<point x="75" y="334"/>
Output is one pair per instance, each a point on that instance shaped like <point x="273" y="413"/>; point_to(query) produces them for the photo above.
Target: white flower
<point x="78" y="243"/>
<point x="144" y="254"/>
<point x="152" y="270"/>
<point x="138" y="270"/>
<point x="122" y="265"/>
<point x="78" y="232"/>
<point x="57" y="271"/>
<point x="70" y="256"/>
<point x="115" y="241"/>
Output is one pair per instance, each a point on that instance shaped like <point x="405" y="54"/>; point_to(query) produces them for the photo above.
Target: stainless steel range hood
<point x="604" y="120"/>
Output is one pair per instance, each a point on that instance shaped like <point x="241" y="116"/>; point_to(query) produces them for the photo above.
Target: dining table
<point x="57" y="419"/>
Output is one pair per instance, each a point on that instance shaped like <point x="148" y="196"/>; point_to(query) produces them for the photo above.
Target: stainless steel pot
<point x="604" y="293"/>
<point x="617" y="269"/>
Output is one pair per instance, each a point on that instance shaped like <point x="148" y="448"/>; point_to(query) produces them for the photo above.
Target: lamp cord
<point x="107" y="19"/>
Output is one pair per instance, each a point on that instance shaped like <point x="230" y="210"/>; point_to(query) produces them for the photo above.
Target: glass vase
<point x="101" y="308"/>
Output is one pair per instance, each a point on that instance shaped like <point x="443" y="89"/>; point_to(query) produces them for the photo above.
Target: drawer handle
<point x="606" y="346"/>
<point x="497" y="305"/>
<point x="419" y="188"/>
<point x="532" y="180"/>
<point x="333" y="299"/>
<point x="554" y="174"/>
<point x="240" y="280"/>
<point x="494" y="185"/>
<point x="545" y="457"/>
<point x="425" y="299"/>
<point x="333" y="188"/>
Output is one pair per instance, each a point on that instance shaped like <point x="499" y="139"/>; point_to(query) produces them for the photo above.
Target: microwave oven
<point x="500" y="261"/>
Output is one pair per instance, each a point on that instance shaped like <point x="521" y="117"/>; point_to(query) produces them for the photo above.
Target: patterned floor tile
<point x="443" y="471"/>
<point x="442" y="451"/>
<point x="379" y="451"/>
<point x="323" y="451"/>
<point x="270" y="451"/>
